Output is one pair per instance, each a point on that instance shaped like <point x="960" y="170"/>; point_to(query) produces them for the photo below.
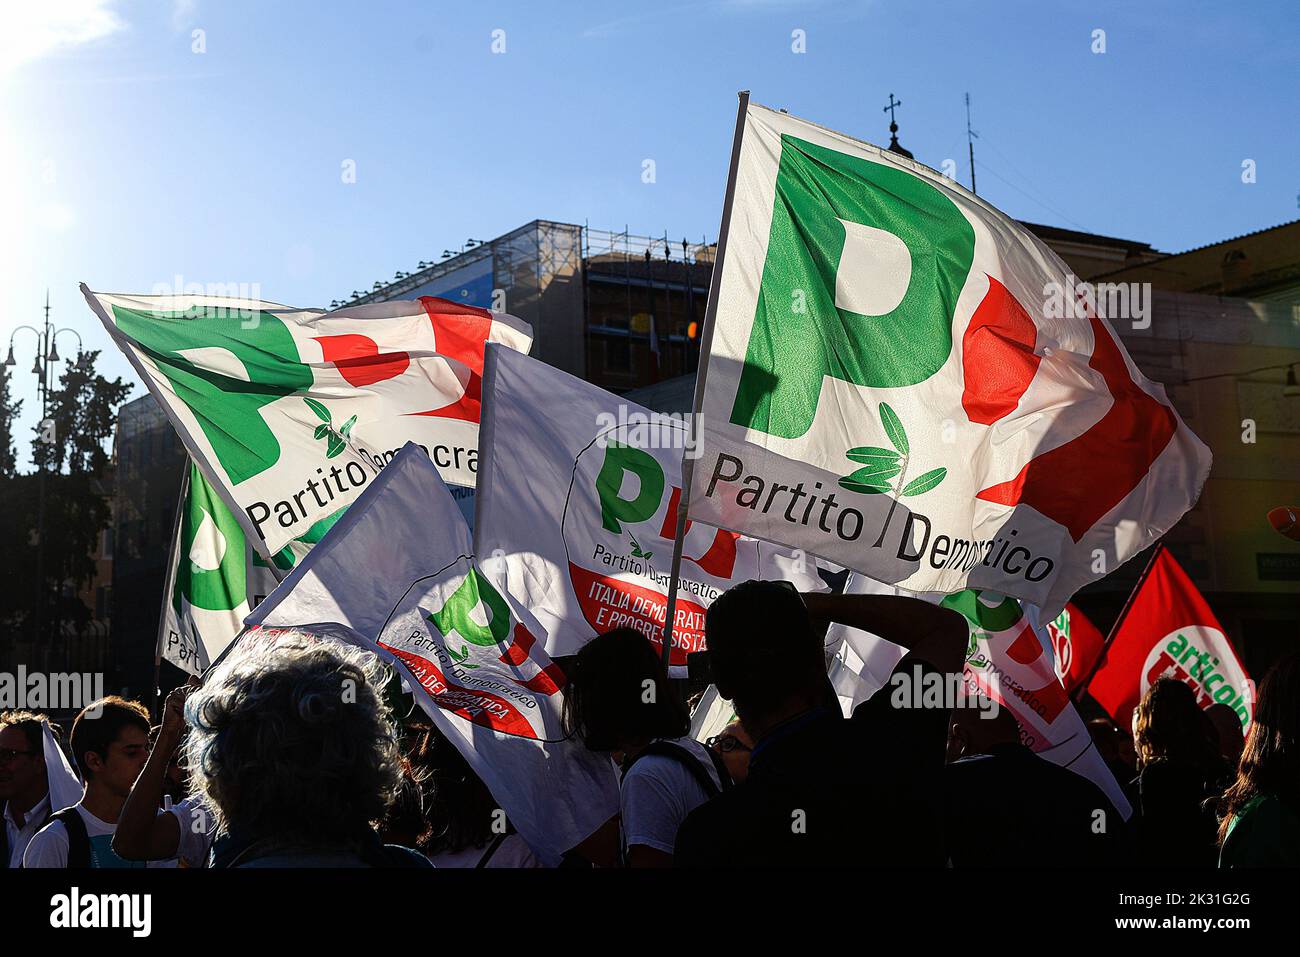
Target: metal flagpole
<point x="1082" y="689"/>
<point x="710" y="310"/>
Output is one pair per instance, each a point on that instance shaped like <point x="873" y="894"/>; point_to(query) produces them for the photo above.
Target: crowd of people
<point x="296" y="756"/>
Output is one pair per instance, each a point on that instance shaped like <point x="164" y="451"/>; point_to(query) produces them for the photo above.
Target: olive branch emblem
<point x="335" y="439"/>
<point x="885" y="470"/>
<point x="636" y="549"/>
<point x="460" y="656"/>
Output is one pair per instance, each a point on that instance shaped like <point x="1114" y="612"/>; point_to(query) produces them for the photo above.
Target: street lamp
<point x="47" y="354"/>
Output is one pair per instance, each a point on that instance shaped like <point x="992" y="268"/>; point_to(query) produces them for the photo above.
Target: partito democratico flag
<point x="1170" y="632"/>
<point x="1009" y="660"/>
<point x="905" y="381"/>
<point x="291" y="412"/>
<point x="577" y="511"/>
<point x="215" y="577"/>
<point x="398" y="569"/>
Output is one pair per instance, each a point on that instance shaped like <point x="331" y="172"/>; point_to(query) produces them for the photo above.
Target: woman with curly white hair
<point x="295" y="752"/>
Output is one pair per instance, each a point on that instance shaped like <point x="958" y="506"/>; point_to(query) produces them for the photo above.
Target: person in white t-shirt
<point x="110" y="742"/>
<point x="619" y="701"/>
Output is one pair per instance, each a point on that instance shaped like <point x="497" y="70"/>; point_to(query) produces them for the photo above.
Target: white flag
<point x="905" y="381"/>
<point x="577" y="510"/>
<point x="398" y="569"/>
<point x="291" y="412"/>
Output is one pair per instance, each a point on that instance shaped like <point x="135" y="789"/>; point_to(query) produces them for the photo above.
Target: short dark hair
<point x="605" y="701"/>
<point x="29" y="723"/>
<point x="762" y="646"/>
<point x="95" y="734"/>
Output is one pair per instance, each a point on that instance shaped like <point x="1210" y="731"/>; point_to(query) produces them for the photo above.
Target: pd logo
<point x="1005" y="660"/>
<point x="620" y="519"/>
<point x="477" y="661"/>
<point x="1059" y="632"/>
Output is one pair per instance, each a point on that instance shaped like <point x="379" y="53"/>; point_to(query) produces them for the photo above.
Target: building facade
<point x="150" y="463"/>
<point x="624" y="312"/>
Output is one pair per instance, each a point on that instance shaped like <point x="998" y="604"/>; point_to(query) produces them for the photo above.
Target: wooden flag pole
<point x="1082" y="689"/>
<point x="701" y="371"/>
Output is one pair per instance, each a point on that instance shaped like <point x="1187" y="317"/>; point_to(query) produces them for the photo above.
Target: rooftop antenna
<point x="970" y="145"/>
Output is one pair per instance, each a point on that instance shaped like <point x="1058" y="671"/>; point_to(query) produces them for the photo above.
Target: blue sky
<point x="127" y="159"/>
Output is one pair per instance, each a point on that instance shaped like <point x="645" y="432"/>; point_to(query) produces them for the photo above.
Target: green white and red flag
<point x="397" y="576"/>
<point x="901" y="379"/>
<point x="577" y="509"/>
<point x="289" y="413"/>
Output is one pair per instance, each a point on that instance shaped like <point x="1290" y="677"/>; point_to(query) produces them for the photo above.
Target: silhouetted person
<point x="1007" y="807"/>
<point x="823" y="790"/>
<point x="619" y="702"/>
<point x="1180" y="770"/>
<point x="1229" y="733"/>
<point x="293" y="750"/>
<point x="1115" y="745"/>
<point x="1261" y="810"/>
<point x="462" y="825"/>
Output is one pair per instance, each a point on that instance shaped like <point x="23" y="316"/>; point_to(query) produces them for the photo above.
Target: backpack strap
<point x="78" y="839"/>
<point x="491" y="849"/>
<point x="675" y="752"/>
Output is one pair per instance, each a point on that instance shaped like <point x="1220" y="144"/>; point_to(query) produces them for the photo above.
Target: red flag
<point x="1077" y="643"/>
<point x="1170" y="631"/>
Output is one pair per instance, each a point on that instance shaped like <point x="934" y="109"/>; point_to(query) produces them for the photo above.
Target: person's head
<point x="406" y="820"/>
<point x="1227" y="731"/>
<point x="734" y="746"/>
<point x="1169" y="725"/>
<point x="294" y="742"/>
<point x="1270" y="759"/>
<point x="1113" y="744"/>
<point x="980" y="728"/>
<point x="110" y="744"/>
<point x="458" y="810"/>
<point x="22" y="758"/>
<point x="618" y="695"/>
<point x="763" y="653"/>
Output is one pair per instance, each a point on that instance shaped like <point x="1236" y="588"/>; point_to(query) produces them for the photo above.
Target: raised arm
<point x="929" y="631"/>
<point x="142" y="833"/>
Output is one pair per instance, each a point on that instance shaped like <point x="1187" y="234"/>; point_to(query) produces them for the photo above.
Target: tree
<point x="84" y="410"/>
<point x="9" y="409"/>
<point x="76" y="505"/>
